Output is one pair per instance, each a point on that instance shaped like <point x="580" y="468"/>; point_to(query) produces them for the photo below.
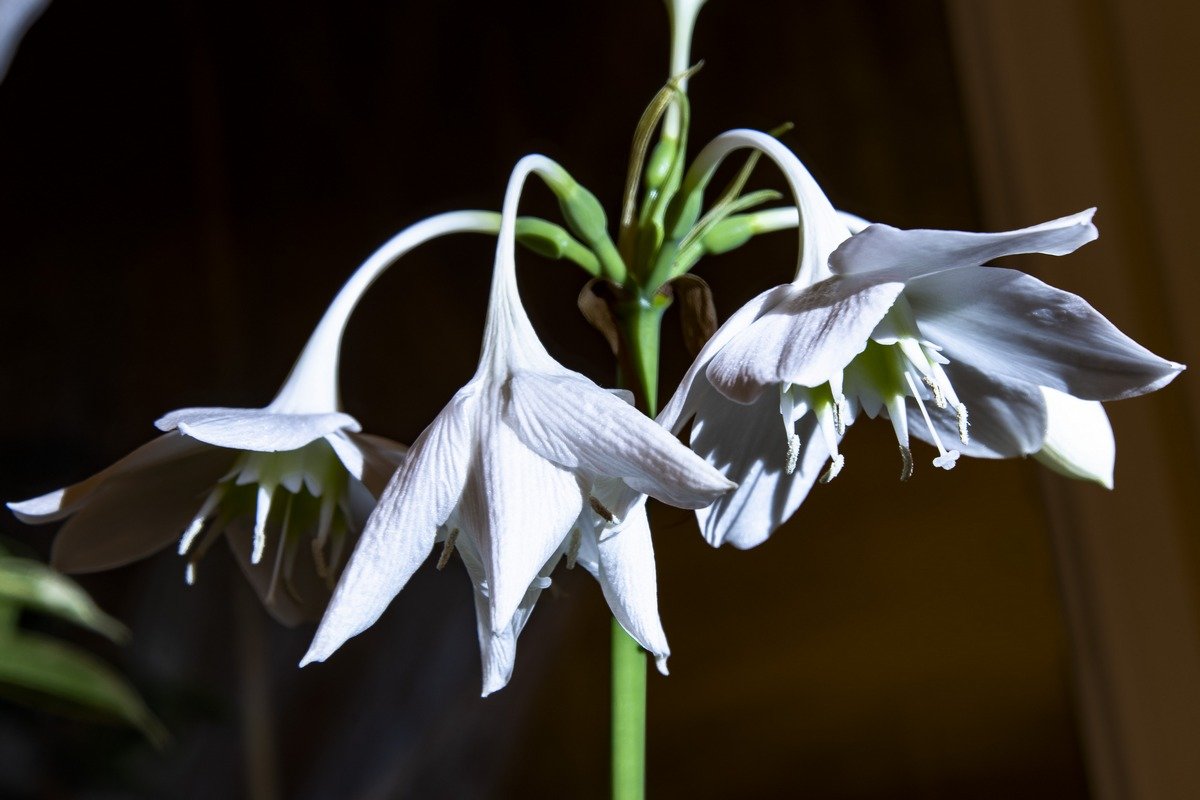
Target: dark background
<point x="183" y="186"/>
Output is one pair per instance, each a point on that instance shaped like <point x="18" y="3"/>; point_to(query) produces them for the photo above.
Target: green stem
<point x="640" y="322"/>
<point x="628" y="716"/>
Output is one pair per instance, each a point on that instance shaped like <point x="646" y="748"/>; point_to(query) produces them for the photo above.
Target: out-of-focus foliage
<point x="39" y="670"/>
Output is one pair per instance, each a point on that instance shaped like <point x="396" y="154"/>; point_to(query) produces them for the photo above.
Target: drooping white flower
<point x="912" y="326"/>
<point x="291" y="484"/>
<point x="508" y="469"/>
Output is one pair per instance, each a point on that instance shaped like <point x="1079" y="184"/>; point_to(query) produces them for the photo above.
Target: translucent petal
<point x="1011" y="325"/>
<point x="1079" y="439"/>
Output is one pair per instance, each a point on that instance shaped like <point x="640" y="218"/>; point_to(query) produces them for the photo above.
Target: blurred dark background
<point x="184" y="185"/>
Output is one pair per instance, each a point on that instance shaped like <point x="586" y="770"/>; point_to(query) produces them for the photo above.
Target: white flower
<point x="292" y="481"/>
<point x="910" y="326"/>
<point x="507" y="469"/>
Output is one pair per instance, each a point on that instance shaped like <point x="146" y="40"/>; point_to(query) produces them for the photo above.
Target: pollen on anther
<point x="906" y="463"/>
<point x="573" y="548"/>
<point x="963" y="433"/>
<point x="447" y="549"/>
<point x="835" y="466"/>
<point x="793" y="452"/>
<point x="939" y="397"/>
<point x="600" y="509"/>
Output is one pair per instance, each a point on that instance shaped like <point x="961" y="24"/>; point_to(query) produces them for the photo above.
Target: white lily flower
<point x="294" y="476"/>
<point x="909" y="325"/>
<point x="507" y="469"/>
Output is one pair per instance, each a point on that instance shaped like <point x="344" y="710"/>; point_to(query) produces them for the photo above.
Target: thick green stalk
<point x="640" y="322"/>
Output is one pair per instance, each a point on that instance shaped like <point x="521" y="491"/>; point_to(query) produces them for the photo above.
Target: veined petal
<point x="910" y="253"/>
<point x="805" y="339"/>
<point x="254" y="428"/>
<point x="1006" y="418"/>
<point x="152" y="455"/>
<point x="498" y="651"/>
<point x="627" y="577"/>
<point x="567" y="419"/>
<point x="400" y="533"/>
<point x="680" y="408"/>
<point x="135" y="514"/>
<point x="1079" y="439"/>
<point x="1011" y="325"/>
<point x="372" y="459"/>
<point x="521" y="507"/>
<point x="747" y="443"/>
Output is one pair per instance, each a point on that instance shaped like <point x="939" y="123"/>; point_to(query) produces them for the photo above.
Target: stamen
<point x="262" y="510"/>
<point x="947" y="458"/>
<point x="573" y="548"/>
<point x="600" y="509"/>
<point x="939" y="397"/>
<point x="843" y="414"/>
<point x="283" y="533"/>
<point x="447" y="550"/>
<point x="906" y="466"/>
<point x="835" y="466"/>
<point x="961" y="411"/>
<point x="793" y="453"/>
<point x="197" y="523"/>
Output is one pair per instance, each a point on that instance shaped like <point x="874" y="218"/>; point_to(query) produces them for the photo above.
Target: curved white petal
<point x="1006" y="418"/>
<point x="369" y="458"/>
<point x="498" y="651"/>
<point x="137" y="513"/>
<point x="521" y="507"/>
<point x="806" y="339"/>
<point x="256" y="429"/>
<point x="1011" y="325"/>
<point x="1079" y="439"/>
<point x="680" y="408"/>
<point x="627" y="577"/>
<point x="401" y="531"/>
<point x="567" y="419"/>
<point x="154" y="454"/>
<point x="749" y="445"/>
<point x="910" y="253"/>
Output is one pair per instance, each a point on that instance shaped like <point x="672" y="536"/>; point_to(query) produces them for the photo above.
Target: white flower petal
<point x="910" y="253"/>
<point x="1006" y="418"/>
<point x="369" y="458"/>
<point x="254" y="428"/>
<point x="137" y="513"/>
<point x="521" y="507"/>
<point x="498" y="651"/>
<point x="680" y="408"/>
<point x="401" y="532"/>
<point x="806" y="339"/>
<point x="629" y="582"/>
<point x="567" y="419"/>
<point x="1079" y="439"/>
<point x="1010" y="325"/>
<point x="749" y="445"/>
<point x="152" y="455"/>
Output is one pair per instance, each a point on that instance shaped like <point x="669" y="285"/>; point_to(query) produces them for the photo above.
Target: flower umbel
<point x="517" y="458"/>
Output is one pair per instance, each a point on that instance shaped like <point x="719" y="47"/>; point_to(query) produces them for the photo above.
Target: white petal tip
<point x="310" y="658"/>
<point x="946" y="460"/>
<point x="661" y="663"/>
<point x="31" y="510"/>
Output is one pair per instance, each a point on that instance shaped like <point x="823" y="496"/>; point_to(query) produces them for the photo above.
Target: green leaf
<point x="55" y="672"/>
<point x="28" y="583"/>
